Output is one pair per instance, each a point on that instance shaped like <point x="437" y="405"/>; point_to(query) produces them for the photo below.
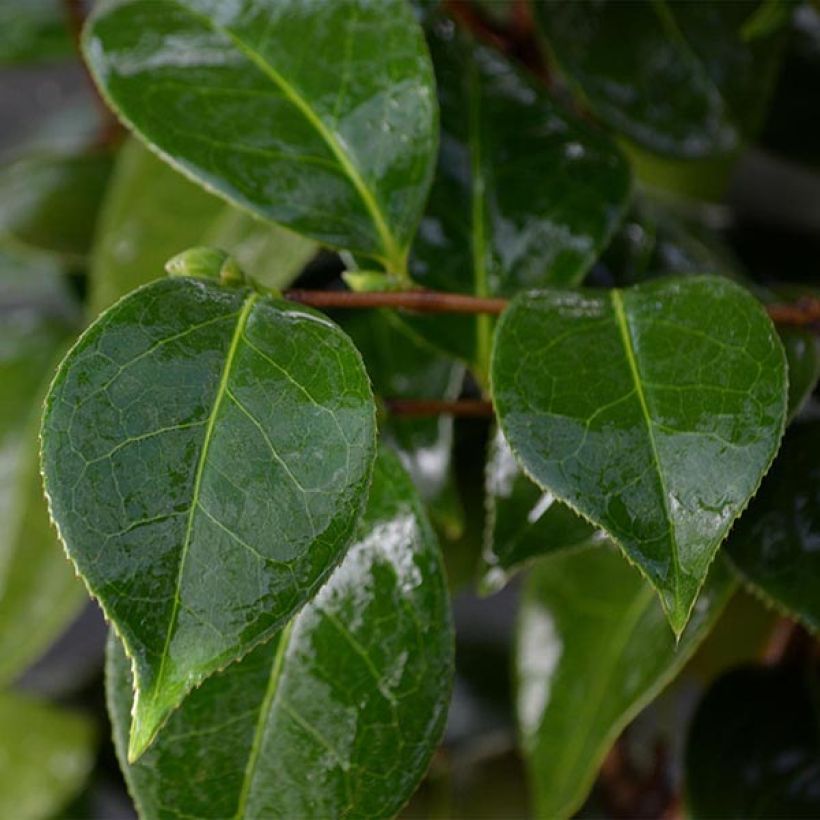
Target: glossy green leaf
<point x="593" y="648"/>
<point x="523" y="521"/>
<point x="753" y="749"/>
<point x="399" y="367"/>
<point x="206" y="452"/>
<point x="525" y="195"/>
<point x="654" y="411"/>
<point x="38" y="591"/>
<point x="33" y="30"/>
<point x="776" y="544"/>
<point x="680" y="79"/>
<point x="51" y="202"/>
<point x="152" y="212"/>
<point x="339" y="714"/>
<point x="45" y="756"/>
<point x="319" y="116"/>
<point x="802" y="349"/>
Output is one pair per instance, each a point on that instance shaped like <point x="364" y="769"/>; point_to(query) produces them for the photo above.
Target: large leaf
<point x="753" y="749"/>
<point x="654" y="411"/>
<point x="321" y="116"/>
<point x="776" y="545"/>
<point x="525" y="195"/>
<point x="46" y="755"/>
<point x="33" y="30"/>
<point x="336" y="716"/>
<point x="38" y="591"/>
<point x="51" y="202"/>
<point x="681" y="79"/>
<point x="523" y="521"/>
<point x="593" y="649"/>
<point x="206" y="452"/>
<point x="152" y="212"/>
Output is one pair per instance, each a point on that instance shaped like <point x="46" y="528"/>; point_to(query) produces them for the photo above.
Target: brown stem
<point x="805" y="312"/>
<point x="422" y="301"/>
<point x="421" y="408"/>
<point x="111" y="132"/>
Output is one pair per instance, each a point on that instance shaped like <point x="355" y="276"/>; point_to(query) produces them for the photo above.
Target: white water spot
<point x="539" y="652"/>
<point x="543" y="504"/>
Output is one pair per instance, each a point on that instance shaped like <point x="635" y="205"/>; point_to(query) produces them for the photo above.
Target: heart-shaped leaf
<point x="654" y="411"/>
<point x="525" y="195"/>
<point x="336" y="716"/>
<point x="152" y="212"/>
<point x="593" y="648"/>
<point x="776" y="545"/>
<point x="206" y="452"/>
<point x="321" y="116"/>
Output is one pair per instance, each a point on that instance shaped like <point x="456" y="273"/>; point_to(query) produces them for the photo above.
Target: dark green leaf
<point x="152" y="212"/>
<point x="401" y="367"/>
<point x="206" y="452"/>
<point x="525" y="195"/>
<point x="336" y="716"/>
<point x="654" y="411"/>
<point x="803" y="356"/>
<point x="776" y="544"/>
<point x="46" y="755"/>
<point x="320" y="116"/>
<point x="753" y="749"/>
<point x="33" y="30"/>
<point x="51" y="202"/>
<point x="593" y="649"/>
<point x="523" y="521"/>
<point x="680" y="79"/>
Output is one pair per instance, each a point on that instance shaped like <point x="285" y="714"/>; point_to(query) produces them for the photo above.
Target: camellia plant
<point x="313" y="234"/>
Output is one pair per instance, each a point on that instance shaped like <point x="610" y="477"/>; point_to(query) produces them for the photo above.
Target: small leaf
<point x="677" y="78"/>
<point x="654" y="411"/>
<point x="318" y="116"/>
<point x="336" y="716"/>
<point x="152" y="212"/>
<point x="47" y="755"/>
<point x="523" y="521"/>
<point x="775" y="544"/>
<point x="205" y="451"/>
<point x="525" y="195"/>
<point x="593" y="649"/>
<point x="754" y="745"/>
<point x="50" y="202"/>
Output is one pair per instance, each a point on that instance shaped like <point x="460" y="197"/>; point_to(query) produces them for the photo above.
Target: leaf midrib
<point x="277" y="669"/>
<point x="626" y="339"/>
<point x="393" y="253"/>
<point x="221" y="392"/>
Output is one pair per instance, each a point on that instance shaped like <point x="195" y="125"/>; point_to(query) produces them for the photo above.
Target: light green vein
<point x="138" y="739"/>
<point x="264" y="711"/>
<point x="629" y="349"/>
<point x="393" y="253"/>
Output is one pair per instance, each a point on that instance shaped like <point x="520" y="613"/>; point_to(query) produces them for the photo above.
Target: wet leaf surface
<point x="340" y="148"/>
<point x="593" y="648"/>
<point x="337" y="715"/>
<point x="206" y="453"/>
<point x="654" y="411"/>
<point x="776" y="544"/>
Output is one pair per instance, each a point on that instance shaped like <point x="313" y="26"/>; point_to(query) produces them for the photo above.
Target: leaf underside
<point x="338" y="714"/>
<point x="653" y="411"/>
<point x="206" y="452"/>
